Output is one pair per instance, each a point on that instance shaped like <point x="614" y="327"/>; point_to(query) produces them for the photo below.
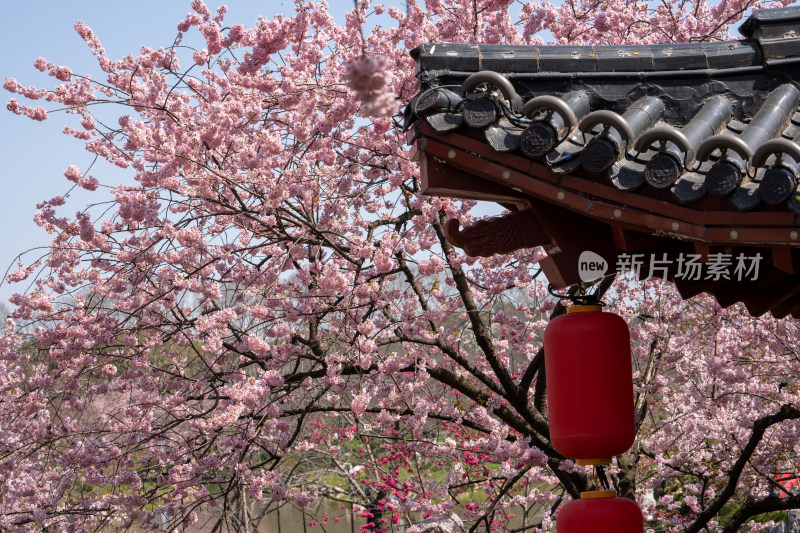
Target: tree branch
<point x="787" y="412"/>
<point x="753" y="508"/>
<point x="479" y="329"/>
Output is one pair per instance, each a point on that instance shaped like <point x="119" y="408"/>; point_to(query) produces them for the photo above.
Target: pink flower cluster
<point x="371" y="79"/>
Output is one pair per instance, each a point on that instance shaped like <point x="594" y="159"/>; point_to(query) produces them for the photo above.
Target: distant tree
<point x="274" y="287"/>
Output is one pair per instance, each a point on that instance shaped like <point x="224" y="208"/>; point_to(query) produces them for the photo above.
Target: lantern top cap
<point x="584" y="309"/>
<point x="598" y="494"/>
<point x="594" y="461"/>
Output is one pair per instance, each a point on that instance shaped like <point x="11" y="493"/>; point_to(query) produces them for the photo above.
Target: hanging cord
<point x="600" y="475"/>
<point x="577" y="295"/>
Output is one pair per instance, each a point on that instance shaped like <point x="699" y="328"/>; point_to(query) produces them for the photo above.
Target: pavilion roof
<point x="689" y="150"/>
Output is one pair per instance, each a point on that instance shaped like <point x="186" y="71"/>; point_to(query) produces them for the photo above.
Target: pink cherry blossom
<point x="272" y="304"/>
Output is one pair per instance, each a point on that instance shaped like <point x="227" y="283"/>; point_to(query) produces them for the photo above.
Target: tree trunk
<point x="793" y="522"/>
<point x="627" y="475"/>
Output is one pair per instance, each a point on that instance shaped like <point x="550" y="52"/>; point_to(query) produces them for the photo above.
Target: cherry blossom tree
<point x="272" y="289"/>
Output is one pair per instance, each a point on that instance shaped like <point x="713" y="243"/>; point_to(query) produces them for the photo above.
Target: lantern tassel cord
<point x="600" y="475"/>
<point x="577" y="295"/>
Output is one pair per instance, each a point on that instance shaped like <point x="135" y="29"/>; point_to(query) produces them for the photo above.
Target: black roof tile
<point x="718" y="101"/>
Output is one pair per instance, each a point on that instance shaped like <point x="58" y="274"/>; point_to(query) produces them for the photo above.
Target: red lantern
<point x="589" y="384"/>
<point x="600" y="512"/>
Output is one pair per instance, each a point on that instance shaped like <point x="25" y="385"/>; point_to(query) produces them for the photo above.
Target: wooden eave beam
<point x="603" y="202"/>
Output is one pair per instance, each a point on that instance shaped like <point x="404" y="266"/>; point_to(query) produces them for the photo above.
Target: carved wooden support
<point x="497" y="235"/>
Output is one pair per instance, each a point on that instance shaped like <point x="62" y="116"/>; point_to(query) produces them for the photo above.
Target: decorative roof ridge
<point x="773" y="40"/>
<point x="771" y="21"/>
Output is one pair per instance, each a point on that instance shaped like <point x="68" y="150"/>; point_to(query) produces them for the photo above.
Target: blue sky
<point x="34" y="155"/>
